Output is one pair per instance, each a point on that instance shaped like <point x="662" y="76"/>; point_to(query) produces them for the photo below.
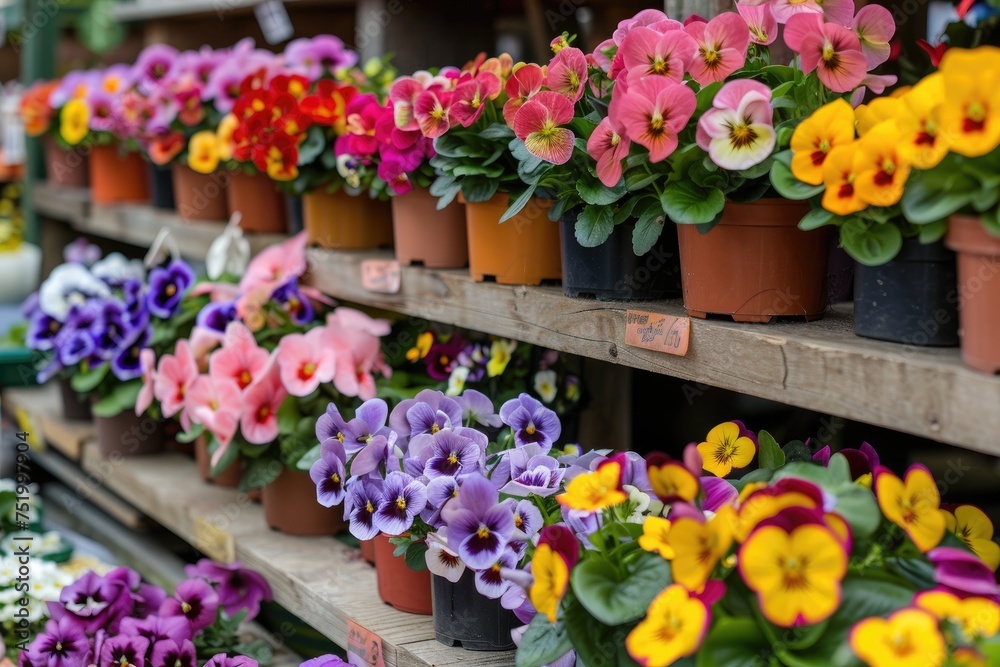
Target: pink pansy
<point x="832" y="50"/>
<point x="276" y="265"/>
<point x="467" y="103"/>
<point x="523" y="84"/>
<point x="537" y="125"/>
<point x="259" y="421"/>
<point x="567" y="73"/>
<point x="738" y="131"/>
<point x="761" y="22"/>
<point x="647" y="52"/>
<point x="147" y="360"/>
<point x="875" y="27"/>
<point x="653" y="111"/>
<point x="840" y="12"/>
<point x="240" y="359"/>
<point x="877" y="83"/>
<point x="604" y="54"/>
<point x="174" y="376"/>
<point x="203" y="341"/>
<point x="403" y="94"/>
<point x="358" y="354"/>
<point x="351" y="318"/>
<point x="216" y="405"/>
<point x="304" y="361"/>
<point x="722" y="47"/>
<point x="609" y="147"/>
<point x="837" y="11"/>
<point x="432" y="111"/>
<point x="644" y="18"/>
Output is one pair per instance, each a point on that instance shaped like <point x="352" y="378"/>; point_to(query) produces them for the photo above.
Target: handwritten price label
<point x="364" y="647"/>
<point x="660" y="333"/>
<point x="381" y="275"/>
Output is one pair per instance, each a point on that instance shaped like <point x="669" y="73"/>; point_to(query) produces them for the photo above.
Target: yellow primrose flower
<point x="500" y="355"/>
<point x="975" y="529"/>
<point x="921" y="123"/>
<point x="725" y="448"/>
<point x="698" y="547"/>
<point x="979" y="618"/>
<point x="545" y="385"/>
<point x="841" y="197"/>
<point x="227" y="126"/>
<point x="796" y="575"/>
<point x="551" y="577"/>
<point x="880" y="166"/>
<point x="655" y="537"/>
<point x="674" y="626"/>
<point x="913" y="505"/>
<point x="908" y="638"/>
<point x="74" y="121"/>
<point x="970" y="114"/>
<point x="594" y="491"/>
<point x="829" y="126"/>
<point x="880" y="110"/>
<point x="423" y="346"/>
<point x="203" y="152"/>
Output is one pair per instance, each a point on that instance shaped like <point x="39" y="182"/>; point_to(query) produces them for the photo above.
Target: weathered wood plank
<point x="60" y="203"/>
<point x="43" y="404"/>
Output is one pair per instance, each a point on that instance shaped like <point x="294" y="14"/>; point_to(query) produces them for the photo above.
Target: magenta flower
<point x="718" y="492"/>
<point x="318" y="56"/>
<point x="653" y="112"/>
<point x="223" y="660"/>
<point x="433" y="111"/>
<point x="195" y="600"/>
<point x="609" y="146"/>
<point x="761" y="22"/>
<point x="158" y="628"/>
<point x="479" y="527"/>
<point x="95" y="602"/>
<point x="963" y="573"/>
<point x="646" y="17"/>
<point x="537" y="125"/>
<point x="124" y="651"/>
<point x="403" y="95"/>
<point x="648" y="52"/>
<point x="722" y="47"/>
<point x="169" y="653"/>
<point x="738" y="131"/>
<point x="325" y="661"/>
<point x="238" y="587"/>
<point x="63" y="644"/>
<point x="874" y="26"/>
<point x="403" y="498"/>
<point x="836" y="11"/>
<point x="468" y="102"/>
<point x="832" y="50"/>
<point x="567" y="73"/>
<point x="154" y="64"/>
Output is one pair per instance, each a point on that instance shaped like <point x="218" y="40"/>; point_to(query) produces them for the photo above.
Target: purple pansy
<point x="124" y="651"/>
<point x="158" y="628"/>
<point x="81" y="251"/>
<point x="95" y="602"/>
<point x="527" y="520"/>
<point x="154" y="64"/>
<point x="127" y="364"/>
<point x="403" y="498"/>
<point x="479" y="527"/>
<point x="369" y="421"/>
<point x="167" y="285"/>
<point x="195" y="600"/>
<point x="238" y="587"/>
<point x="328" y="473"/>
<point x="440" y="490"/>
<point x="377" y="453"/>
<point x="531" y="422"/>
<point x="223" y="660"/>
<point x="42" y="331"/>
<point x="477" y="408"/>
<point x="583" y="524"/>
<point x="217" y="316"/>
<point x="74" y="346"/>
<point x="318" y="56"/>
<point x="365" y="499"/>
<point x="169" y="653"/>
<point x="111" y="327"/>
<point x="63" y="644"/>
<point x="325" y="661"/>
<point x="449" y="455"/>
<point x="718" y="492"/>
<point x="489" y="581"/>
<point x="532" y="472"/>
<point x="426" y="417"/>
<point x="294" y="302"/>
<point x="963" y="573"/>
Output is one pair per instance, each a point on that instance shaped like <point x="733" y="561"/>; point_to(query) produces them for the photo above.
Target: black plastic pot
<point x="912" y="300"/>
<point x="161" y="187"/>
<point x="464" y="617"/>
<point x="612" y="271"/>
<point x="76" y="407"/>
<point x="293" y="211"/>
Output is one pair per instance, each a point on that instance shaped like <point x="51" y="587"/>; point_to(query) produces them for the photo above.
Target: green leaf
<point x="314" y="144"/>
<point x="625" y="210"/>
<point x="121" y="398"/>
<point x="594" y="225"/>
<point x="934" y="195"/>
<point x="479" y="189"/>
<point x="648" y="228"/>
<point x="771" y="456"/>
<point x="288" y="417"/>
<point x="637" y="180"/>
<point x="197" y="430"/>
<point x="616" y="597"/>
<point x="734" y="642"/>
<point x="519" y="203"/>
<point x="497" y="131"/>
<point x="259" y="472"/>
<point x="309" y="458"/>
<point x="870" y="244"/>
<point x="594" y="192"/>
<point x="991" y="221"/>
<point x="933" y="232"/>
<point x="542" y="643"/>
<point x="596" y="644"/>
<point x="686" y="203"/>
<point x="816" y="218"/>
<point x="86" y="382"/>
<point x="229" y="458"/>
<point x="415" y="559"/>
<point x="790" y="187"/>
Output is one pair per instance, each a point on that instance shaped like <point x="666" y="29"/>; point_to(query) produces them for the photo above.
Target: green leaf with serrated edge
<point x="594" y="225"/>
<point x="542" y="643"/>
<point x="686" y="203"/>
<point x="771" y="456"/>
<point x="594" y="192"/>
<point x="648" y="228"/>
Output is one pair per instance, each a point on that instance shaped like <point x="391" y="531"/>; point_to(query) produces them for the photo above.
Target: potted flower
<point x="64" y="166"/>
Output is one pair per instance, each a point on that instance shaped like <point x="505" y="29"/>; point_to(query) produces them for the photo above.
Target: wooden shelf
<point x="43" y="407"/>
<point x="147" y="10"/>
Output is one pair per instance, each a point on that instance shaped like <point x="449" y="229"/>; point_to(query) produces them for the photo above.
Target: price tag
<point x="660" y="333"/>
<point x="364" y="647"/>
<point x="381" y="275"/>
<point x="214" y="542"/>
<point x="272" y="17"/>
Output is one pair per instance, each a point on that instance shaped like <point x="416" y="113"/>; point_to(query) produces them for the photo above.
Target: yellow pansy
<point x="726" y="448"/>
<point x="841" y="196"/>
<point x="970" y="114"/>
<point x="908" y="638"/>
<point x="74" y="121"/>
<point x="674" y="626"/>
<point x="423" y="346"/>
<point x="979" y="618"/>
<point x="829" y="126"/>
<point x="655" y="537"/>
<point x="551" y="577"/>
<point x="671" y="480"/>
<point x="760" y="504"/>
<point x="203" y="152"/>
<point x="501" y="352"/>
<point x="796" y="575"/>
<point x="594" y="491"/>
<point x="881" y="168"/>
<point x="698" y="547"/>
<point x="227" y="126"/>
<point x="913" y="505"/>
<point x="975" y="529"/>
<point x="880" y="110"/>
<point x="920" y="126"/>
<point x="546" y="385"/>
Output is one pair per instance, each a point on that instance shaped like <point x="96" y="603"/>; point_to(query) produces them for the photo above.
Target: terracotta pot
<point x="256" y="495"/>
<point x="76" y="407"/>
<point x="229" y="478"/>
<point x="398" y="585"/>
<point x="425" y="235"/>
<point x="978" y="291"/>
<point x="125" y="434"/>
<point x="338" y="220"/>
<point x="524" y="250"/>
<point x="67" y="168"/>
<point x="755" y="264"/>
<point x="200" y="196"/>
<point x="290" y="507"/>
<point x="117" y="178"/>
<point x="260" y="203"/>
<point x="368" y="551"/>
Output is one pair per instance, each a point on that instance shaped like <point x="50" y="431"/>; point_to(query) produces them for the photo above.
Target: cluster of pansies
<point x="115" y="619"/>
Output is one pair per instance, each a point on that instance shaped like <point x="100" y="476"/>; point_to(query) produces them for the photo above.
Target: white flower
<point x="441" y="560"/>
<point x="545" y="385"/>
<point x="69" y="285"/>
<point x="115" y="269"/>
<point x="643" y="504"/>
<point x="230" y="253"/>
<point x="456" y="383"/>
<point x="8" y="570"/>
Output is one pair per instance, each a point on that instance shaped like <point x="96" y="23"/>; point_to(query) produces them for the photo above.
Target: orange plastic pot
<point x="755" y="264"/>
<point x="978" y="291"/>
<point x="338" y="220"/>
<point x="368" y="551"/>
<point x="228" y="478"/>
<point x="290" y="507"/>
<point x="398" y="585"/>
<point x="116" y="177"/>
<point x="425" y="235"/>
<point x="524" y="250"/>
<point x="260" y="203"/>
<point x="66" y="168"/>
<point x="200" y="197"/>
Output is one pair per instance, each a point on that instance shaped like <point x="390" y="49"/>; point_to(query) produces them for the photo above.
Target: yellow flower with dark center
<point x="881" y="168"/>
<point x="551" y="578"/>
<point x="698" y="547"/>
<point x="970" y="114"/>
<point x="595" y="491"/>
<point x="908" y="638"/>
<point x="973" y="527"/>
<point x="877" y="112"/>
<point x="203" y="152"/>
<point x="839" y="174"/>
<point x="829" y="126"/>
<point x="656" y="537"/>
<point x="501" y="352"/>
<point x="227" y="126"/>
<point x="74" y="121"/>
<point x="674" y="627"/>
<point x="979" y="618"/>
<point x="924" y="144"/>
<point x="726" y="448"/>
<point x="756" y="507"/>
<point x="671" y="480"/>
<point x="913" y="505"/>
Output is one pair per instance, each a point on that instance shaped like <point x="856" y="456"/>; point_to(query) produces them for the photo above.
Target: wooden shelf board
<point x="68" y="204"/>
<point x="820" y="365"/>
<point x="44" y="406"/>
<point x="145" y="10"/>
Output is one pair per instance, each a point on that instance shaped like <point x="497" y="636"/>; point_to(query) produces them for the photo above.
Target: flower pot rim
<point x="967" y="234"/>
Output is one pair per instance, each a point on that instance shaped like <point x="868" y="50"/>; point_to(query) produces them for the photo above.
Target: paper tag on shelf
<point x="364" y="647"/>
<point x="660" y="333"/>
<point x="214" y="542"/>
<point x="272" y="17"/>
<point x="381" y="275"/>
